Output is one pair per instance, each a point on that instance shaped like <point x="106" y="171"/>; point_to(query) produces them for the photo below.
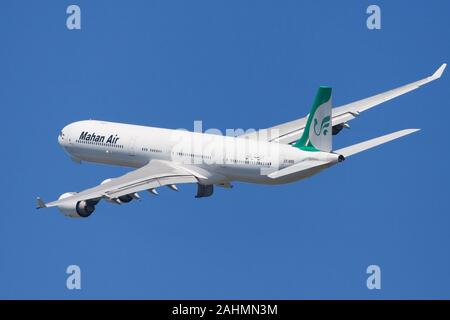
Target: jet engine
<point x="125" y="198"/>
<point x="128" y="197"/>
<point x="80" y="209"/>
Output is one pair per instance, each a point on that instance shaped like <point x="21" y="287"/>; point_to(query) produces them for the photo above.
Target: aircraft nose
<point x="61" y="138"/>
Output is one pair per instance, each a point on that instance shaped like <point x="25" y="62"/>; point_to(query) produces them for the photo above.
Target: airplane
<point x="281" y="154"/>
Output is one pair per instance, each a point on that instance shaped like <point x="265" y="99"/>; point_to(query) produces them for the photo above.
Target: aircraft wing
<point x="155" y="174"/>
<point x="290" y="132"/>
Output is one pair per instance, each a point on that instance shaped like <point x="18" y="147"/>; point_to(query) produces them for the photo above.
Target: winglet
<point x="439" y="71"/>
<point x="40" y="203"/>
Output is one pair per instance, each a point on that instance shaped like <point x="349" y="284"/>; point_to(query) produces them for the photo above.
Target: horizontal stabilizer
<point x="359" y="147"/>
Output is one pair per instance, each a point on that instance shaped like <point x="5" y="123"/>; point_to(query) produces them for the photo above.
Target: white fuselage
<point x="219" y="159"/>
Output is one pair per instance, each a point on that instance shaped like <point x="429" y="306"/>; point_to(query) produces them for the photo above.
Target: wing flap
<point x="150" y="184"/>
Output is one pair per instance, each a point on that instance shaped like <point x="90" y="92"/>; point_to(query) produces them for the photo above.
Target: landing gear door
<point x="132" y="147"/>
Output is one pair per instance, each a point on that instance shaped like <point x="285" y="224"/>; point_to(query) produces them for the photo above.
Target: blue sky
<point x="231" y="64"/>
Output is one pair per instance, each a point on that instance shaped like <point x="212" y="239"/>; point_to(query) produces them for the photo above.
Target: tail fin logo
<point x="324" y="125"/>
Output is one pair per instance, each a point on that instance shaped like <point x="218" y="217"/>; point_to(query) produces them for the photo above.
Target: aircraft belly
<point x="259" y="178"/>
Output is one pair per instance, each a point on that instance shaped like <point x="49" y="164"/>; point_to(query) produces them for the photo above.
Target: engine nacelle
<point x="126" y="198"/>
<point x="80" y="209"/>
